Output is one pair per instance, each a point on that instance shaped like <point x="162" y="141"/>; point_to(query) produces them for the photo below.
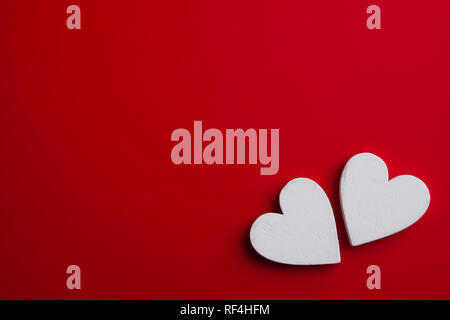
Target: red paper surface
<point x="86" y="118"/>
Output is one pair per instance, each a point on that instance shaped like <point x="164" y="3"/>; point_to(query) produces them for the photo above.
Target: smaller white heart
<point x="305" y="234"/>
<point x="375" y="207"/>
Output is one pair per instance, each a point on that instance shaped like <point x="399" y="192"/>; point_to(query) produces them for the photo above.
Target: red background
<point x="86" y="119"/>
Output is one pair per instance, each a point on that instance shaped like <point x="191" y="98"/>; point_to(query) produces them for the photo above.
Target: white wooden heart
<point x="305" y="234"/>
<point x="375" y="207"/>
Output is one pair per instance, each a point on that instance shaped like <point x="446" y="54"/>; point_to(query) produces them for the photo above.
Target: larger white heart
<point x="375" y="207"/>
<point x="305" y="234"/>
